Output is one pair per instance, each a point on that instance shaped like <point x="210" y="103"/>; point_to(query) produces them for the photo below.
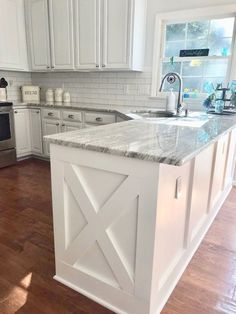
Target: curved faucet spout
<point x="171" y="78"/>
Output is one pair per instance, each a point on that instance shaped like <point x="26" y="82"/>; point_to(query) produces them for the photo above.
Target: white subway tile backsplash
<point x="117" y="88"/>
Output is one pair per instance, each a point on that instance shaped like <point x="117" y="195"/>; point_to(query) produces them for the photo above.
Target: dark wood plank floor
<point x="27" y="261"/>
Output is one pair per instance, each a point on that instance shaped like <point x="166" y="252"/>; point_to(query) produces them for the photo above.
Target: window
<point x="199" y="74"/>
<point x="210" y="28"/>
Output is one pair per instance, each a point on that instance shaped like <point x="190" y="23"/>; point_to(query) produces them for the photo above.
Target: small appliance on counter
<point x="7" y="135"/>
<point x="3" y="89"/>
<point x="30" y="94"/>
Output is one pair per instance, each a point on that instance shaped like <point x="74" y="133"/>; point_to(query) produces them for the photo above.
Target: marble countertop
<point x="158" y="140"/>
<point x="123" y="111"/>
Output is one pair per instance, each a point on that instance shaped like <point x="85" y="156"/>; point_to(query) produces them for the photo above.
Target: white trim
<point x="186" y="15"/>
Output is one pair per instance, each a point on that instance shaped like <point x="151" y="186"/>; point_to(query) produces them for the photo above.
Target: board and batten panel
<point x="87" y="33"/>
<point x="202" y="174"/>
<point x="61" y="31"/>
<point x="117" y="34"/>
<point x="229" y="173"/>
<point x="171" y="220"/>
<point x="219" y="171"/>
<point x="39" y="34"/>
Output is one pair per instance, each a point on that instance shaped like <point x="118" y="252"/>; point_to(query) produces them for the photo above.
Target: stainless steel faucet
<point x="171" y="78"/>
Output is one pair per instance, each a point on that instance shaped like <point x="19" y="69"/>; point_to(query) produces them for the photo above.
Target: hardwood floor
<point x="27" y="261"/>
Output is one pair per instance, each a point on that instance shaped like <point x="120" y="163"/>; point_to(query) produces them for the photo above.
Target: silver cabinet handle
<point x="37" y="112"/>
<point x="97" y="65"/>
<point x="98" y="119"/>
<point x="57" y="124"/>
<point x="103" y="65"/>
<point x="48" y="67"/>
<point x="15" y="111"/>
<point x="63" y="124"/>
<point x="71" y="116"/>
<point x="50" y="114"/>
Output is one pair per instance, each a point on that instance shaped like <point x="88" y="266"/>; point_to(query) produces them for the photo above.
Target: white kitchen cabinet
<point x="70" y="126"/>
<point x="22" y="132"/>
<point x="124" y="24"/>
<point x="39" y="34"/>
<point x="50" y="126"/>
<point x="61" y="34"/>
<point x="36" y="131"/>
<point x="219" y="170"/>
<point x="87" y="34"/>
<point x="13" y="49"/>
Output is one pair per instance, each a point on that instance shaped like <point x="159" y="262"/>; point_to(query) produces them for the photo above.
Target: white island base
<point x="125" y="229"/>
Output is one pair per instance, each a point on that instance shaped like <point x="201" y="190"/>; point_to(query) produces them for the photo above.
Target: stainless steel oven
<point x="7" y="135"/>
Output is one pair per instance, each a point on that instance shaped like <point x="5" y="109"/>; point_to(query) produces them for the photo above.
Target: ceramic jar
<point x="58" y="94"/>
<point x="49" y="95"/>
<point x="66" y="97"/>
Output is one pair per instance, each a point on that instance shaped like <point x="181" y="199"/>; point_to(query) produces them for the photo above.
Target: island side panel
<point x="104" y="211"/>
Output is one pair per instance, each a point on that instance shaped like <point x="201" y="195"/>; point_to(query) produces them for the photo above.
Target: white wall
<point x="158" y="6"/>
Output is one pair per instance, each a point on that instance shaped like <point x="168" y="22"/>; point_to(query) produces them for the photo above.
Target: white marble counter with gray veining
<point x="171" y="141"/>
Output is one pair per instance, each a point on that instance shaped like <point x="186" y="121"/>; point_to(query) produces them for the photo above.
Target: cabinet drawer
<point x="51" y="113"/>
<point x="99" y="118"/>
<point x="72" y="116"/>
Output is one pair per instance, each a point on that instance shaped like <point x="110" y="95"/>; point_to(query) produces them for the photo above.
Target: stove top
<point x="5" y="104"/>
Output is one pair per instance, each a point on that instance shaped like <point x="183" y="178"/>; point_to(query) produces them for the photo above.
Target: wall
<point x="15" y="81"/>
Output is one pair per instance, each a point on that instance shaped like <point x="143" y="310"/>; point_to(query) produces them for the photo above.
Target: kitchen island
<point x="132" y="202"/>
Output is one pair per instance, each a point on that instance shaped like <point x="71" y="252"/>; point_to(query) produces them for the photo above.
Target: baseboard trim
<point x="89" y="295"/>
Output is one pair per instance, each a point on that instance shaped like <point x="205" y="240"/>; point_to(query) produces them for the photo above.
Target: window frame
<point x="186" y="16"/>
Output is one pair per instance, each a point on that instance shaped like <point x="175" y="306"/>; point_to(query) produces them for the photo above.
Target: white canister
<point x="58" y="94"/>
<point x="3" y="94"/>
<point x="66" y="97"/>
<point x="49" y="95"/>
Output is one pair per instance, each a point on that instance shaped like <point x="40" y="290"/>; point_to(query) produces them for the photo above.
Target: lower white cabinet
<point x="22" y="132"/>
<point x="50" y="126"/>
<point x="36" y="131"/>
<point x="70" y="126"/>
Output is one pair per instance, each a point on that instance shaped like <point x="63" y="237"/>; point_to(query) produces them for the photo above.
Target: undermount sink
<point x="153" y="114"/>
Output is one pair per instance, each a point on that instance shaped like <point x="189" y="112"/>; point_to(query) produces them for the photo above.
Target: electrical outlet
<point x="178" y="187"/>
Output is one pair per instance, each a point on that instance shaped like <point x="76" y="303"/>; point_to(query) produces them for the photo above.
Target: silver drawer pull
<point x="50" y="114"/>
<point x="98" y="119"/>
<point x="71" y="116"/>
<point x="57" y="124"/>
<point x="15" y="111"/>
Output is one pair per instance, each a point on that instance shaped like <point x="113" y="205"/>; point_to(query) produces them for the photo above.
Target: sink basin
<point x="153" y="114"/>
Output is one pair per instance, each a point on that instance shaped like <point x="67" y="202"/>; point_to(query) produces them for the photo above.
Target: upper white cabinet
<point x="39" y="34"/>
<point x="117" y="25"/>
<point x="61" y="31"/>
<point x="87" y="34"/>
<point x="13" y="48"/>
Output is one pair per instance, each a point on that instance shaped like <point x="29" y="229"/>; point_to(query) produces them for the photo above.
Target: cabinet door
<point x="87" y="34"/>
<point x="61" y="30"/>
<point x="39" y="34"/>
<point x="36" y="131"/>
<point x="219" y="170"/>
<point x="117" y="34"/>
<point x="50" y="127"/>
<point x="22" y="132"/>
<point x="70" y="126"/>
<point x="13" y="49"/>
